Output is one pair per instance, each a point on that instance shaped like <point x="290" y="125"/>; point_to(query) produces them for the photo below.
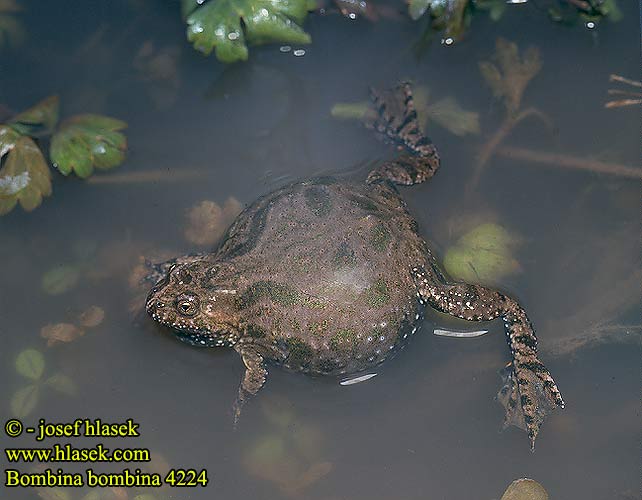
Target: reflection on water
<point x="427" y="426"/>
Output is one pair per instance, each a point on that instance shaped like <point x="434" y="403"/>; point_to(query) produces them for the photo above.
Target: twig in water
<point x="147" y="176"/>
<point x="572" y="162"/>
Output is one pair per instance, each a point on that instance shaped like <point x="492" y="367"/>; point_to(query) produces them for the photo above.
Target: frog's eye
<point x="187" y="305"/>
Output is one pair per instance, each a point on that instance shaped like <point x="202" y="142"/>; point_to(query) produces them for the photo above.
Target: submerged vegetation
<point x="78" y="144"/>
<point x="227" y="26"/>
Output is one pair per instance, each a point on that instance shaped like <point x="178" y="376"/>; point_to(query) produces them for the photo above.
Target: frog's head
<point x="196" y="300"/>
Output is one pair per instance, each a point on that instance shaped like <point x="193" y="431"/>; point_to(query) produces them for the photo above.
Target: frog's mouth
<point x="197" y="338"/>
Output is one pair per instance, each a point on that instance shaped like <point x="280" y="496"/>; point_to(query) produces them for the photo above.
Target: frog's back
<point x="324" y="273"/>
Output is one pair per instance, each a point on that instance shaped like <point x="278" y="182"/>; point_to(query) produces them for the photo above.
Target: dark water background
<point x="427" y="427"/>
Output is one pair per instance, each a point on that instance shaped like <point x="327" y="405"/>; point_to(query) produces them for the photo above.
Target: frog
<point x="329" y="276"/>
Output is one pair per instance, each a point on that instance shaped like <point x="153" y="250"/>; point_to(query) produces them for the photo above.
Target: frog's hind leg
<point x="396" y="120"/>
<point x="529" y="392"/>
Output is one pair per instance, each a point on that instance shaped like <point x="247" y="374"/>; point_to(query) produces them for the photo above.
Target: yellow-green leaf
<point x="225" y="25"/>
<point x="62" y="383"/>
<point x="25" y="176"/>
<point x="39" y="119"/>
<point x="24" y="401"/>
<point x="60" y="279"/>
<point x="85" y="142"/>
<point x="30" y="363"/>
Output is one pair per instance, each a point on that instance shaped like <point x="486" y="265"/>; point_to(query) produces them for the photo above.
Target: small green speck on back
<point x="343" y="338"/>
<point x="377" y="295"/>
<point x="380" y="237"/>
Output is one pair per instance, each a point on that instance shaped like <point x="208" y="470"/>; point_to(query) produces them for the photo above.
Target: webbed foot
<point x="529" y="393"/>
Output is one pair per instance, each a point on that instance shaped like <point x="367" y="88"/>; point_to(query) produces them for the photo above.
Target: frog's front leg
<point x="254" y="377"/>
<point x="530" y="392"/>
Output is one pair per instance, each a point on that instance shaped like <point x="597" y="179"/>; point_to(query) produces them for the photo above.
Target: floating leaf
<point x="525" y="489"/>
<point x="83" y="142"/>
<point x="482" y="255"/>
<point x="207" y="220"/>
<point x="448" y="114"/>
<point x="24" y="401"/>
<point x="62" y="383"/>
<point x="350" y="110"/>
<point x="39" y="119"/>
<point x="60" y="279"/>
<point x="30" y="363"/>
<point x="92" y="317"/>
<point x="451" y="16"/>
<point x="60" y="332"/>
<point x="25" y="177"/>
<point x="217" y="25"/>
<point x="508" y="74"/>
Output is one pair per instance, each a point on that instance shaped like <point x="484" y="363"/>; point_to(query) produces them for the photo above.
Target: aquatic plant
<point x="482" y="255"/>
<point x="226" y="25"/>
<point x="30" y="363"/>
<point x="79" y="144"/>
<point x="508" y="74"/>
<point x="453" y="17"/>
<point x="445" y="112"/>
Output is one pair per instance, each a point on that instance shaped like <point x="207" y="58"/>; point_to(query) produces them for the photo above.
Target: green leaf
<point x="482" y="255"/>
<point x="448" y="114"/>
<point x="217" y="25"/>
<point x="39" y="119"/>
<point x="86" y="141"/>
<point x="25" y="176"/>
<point x="451" y="16"/>
<point x="24" y="401"/>
<point x="62" y="383"/>
<point x="350" y="110"/>
<point x="60" y="279"/>
<point x="30" y="363"/>
<point x="189" y="6"/>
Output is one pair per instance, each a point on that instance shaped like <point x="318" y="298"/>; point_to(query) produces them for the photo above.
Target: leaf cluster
<point x="78" y="144"/>
<point x="227" y="26"/>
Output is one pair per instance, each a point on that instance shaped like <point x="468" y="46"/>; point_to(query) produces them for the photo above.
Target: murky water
<point x="427" y="427"/>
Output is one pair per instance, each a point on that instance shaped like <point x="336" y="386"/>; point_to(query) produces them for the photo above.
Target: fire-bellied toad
<point x="329" y="277"/>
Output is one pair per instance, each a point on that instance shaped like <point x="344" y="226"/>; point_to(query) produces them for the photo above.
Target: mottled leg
<point x="253" y="380"/>
<point x="529" y="392"/>
<point x="396" y="120"/>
